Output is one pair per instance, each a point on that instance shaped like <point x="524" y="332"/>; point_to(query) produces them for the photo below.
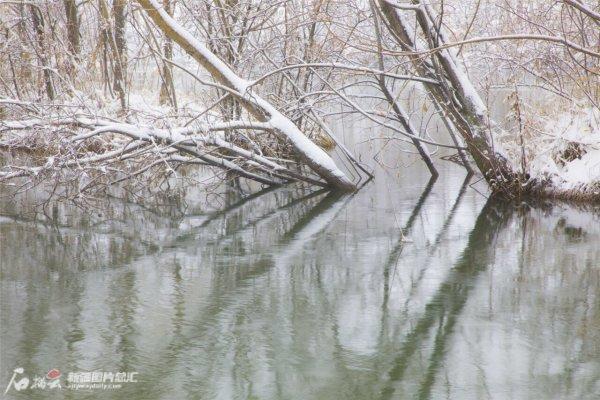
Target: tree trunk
<point x="38" y="26"/>
<point x="456" y="95"/>
<point x="167" y="87"/>
<point x="401" y="114"/>
<point x="118" y="11"/>
<point x="114" y="36"/>
<point x="72" y="26"/>
<point x="262" y="110"/>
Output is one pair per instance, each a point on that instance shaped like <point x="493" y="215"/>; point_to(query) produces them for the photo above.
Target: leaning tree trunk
<point x="454" y="93"/>
<point x="315" y="157"/>
<point x="401" y="114"/>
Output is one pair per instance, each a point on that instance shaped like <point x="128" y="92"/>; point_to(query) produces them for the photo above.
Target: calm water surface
<point x="404" y="290"/>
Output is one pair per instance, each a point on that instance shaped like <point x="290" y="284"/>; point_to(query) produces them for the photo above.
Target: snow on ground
<point x="569" y="153"/>
<point x="561" y="143"/>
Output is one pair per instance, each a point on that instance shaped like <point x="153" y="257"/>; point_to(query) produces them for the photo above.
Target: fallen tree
<point x="269" y="124"/>
<point x="200" y="144"/>
<point x="259" y="108"/>
<point x="206" y="144"/>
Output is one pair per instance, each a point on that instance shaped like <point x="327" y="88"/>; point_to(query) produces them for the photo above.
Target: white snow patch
<point x="578" y="128"/>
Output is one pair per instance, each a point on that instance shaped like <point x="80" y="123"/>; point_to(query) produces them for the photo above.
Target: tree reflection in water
<point x="310" y="295"/>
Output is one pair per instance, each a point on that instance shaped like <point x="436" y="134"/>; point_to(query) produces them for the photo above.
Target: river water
<point x="406" y="289"/>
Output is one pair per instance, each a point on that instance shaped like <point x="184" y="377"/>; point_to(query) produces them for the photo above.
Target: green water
<point x="297" y="294"/>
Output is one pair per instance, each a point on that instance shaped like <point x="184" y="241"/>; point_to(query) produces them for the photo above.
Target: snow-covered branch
<point x="261" y="109"/>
